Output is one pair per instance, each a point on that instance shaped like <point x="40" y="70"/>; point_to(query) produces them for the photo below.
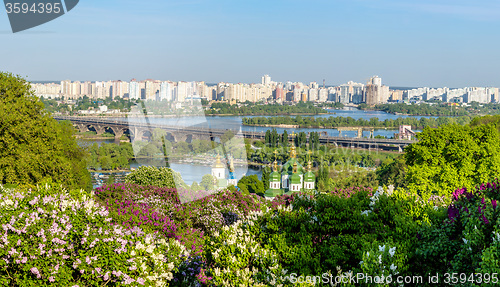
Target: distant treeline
<point x="248" y="108"/>
<point x="333" y="122"/>
<point x="436" y="109"/>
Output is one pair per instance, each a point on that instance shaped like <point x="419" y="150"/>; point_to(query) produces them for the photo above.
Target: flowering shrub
<point x="466" y="241"/>
<point x="159" y="210"/>
<point x="49" y="237"/>
<point x="348" y="192"/>
<point x="230" y="217"/>
<point x="236" y="258"/>
<point x="379" y="262"/>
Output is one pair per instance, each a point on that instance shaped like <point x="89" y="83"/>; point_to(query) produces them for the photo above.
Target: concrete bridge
<point x="358" y="130"/>
<point x="144" y="131"/>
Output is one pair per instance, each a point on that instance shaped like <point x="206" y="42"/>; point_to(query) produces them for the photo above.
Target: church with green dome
<point x="292" y="178"/>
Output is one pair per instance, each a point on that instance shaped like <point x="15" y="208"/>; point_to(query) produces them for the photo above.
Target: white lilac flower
<point x="381" y="248"/>
<point x="392" y="251"/>
<point x="393" y="267"/>
<point x="380" y="190"/>
<point x="465" y="240"/>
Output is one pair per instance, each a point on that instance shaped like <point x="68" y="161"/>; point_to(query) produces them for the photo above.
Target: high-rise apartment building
<point x="266" y="80"/>
<point x="375" y="92"/>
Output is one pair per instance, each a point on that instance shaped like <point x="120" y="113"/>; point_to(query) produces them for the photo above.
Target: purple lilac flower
<point x="486" y="221"/>
<point x="494" y="203"/>
<point x="453" y="212"/>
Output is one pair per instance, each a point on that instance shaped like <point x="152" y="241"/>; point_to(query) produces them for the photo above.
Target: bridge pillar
<point x="99" y="129"/>
<point x="180" y="137"/>
<point x="138" y="133"/>
<point x="118" y="132"/>
<point x="82" y="128"/>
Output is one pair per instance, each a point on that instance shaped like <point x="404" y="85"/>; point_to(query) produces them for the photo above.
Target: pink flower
<point x="128" y="281"/>
<point x="51" y="279"/>
<point x="35" y="271"/>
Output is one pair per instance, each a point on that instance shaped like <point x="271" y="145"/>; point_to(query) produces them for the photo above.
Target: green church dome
<point x="275" y="176"/>
<point x="288" y="167"/>
<point x="295" y="179"/>
<point x="309" y="177"/>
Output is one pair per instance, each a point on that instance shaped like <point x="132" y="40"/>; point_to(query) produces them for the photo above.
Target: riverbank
<point x="80" y="137"/>
<point x="191" y="115"/>
<point x="313" y="127"/>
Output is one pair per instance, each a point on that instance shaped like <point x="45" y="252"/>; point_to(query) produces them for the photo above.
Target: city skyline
<point x="429" y="43"/>
<point x="372" y="93"/>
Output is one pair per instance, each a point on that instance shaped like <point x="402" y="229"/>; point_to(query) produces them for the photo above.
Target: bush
<point x="161" y="177"/>
<point x="467" y="240"/>
<point x="51" y="238"/>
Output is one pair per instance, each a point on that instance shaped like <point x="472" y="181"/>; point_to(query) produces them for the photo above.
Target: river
<point x="225" y="122"/>
<point x="193" y="172"/>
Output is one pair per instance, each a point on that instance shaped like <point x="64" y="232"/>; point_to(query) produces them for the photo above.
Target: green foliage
<point x="452" y="156"/>
<point x="443" y="109"/>
<point x="150" y="175"/>
<point x="257" y="109"/>
<point x="86" y="103"/>
<point x="393" y="172"/>
<point x="333" y="122"/>
<point x="251" y="184"/>
<point x="33" y="146"/>
<point x="348" y="178"/>
<point x="467" y="241"/>
<point x="315" y="235"/>
<point x="109" y="156"/>
<point x="208" y="182"/>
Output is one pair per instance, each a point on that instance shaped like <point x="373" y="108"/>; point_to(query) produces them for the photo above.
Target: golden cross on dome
<point x="293" y="134"/>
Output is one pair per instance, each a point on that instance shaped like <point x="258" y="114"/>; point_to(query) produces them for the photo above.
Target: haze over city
<point x="425" y="44"/>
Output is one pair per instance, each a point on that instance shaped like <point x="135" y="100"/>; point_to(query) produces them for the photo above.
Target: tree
<point x="251" y="184"/>
<point x="33" y="146"/>
<point x="227" y="136"/>
<point x="267" y="138"/>
<point x="452" y="157"/>
<point x="182" y="148"/>
<point x="274" y="138"/>
<point x="284" y="140"/>
<point x="208" y="182"/>
<point x="392" y="172"/>
<point x="266" y="173"/>
<point x="150" y="175"/>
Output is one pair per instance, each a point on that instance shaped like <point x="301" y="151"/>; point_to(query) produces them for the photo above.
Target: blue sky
<point x="407" y="43"/>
